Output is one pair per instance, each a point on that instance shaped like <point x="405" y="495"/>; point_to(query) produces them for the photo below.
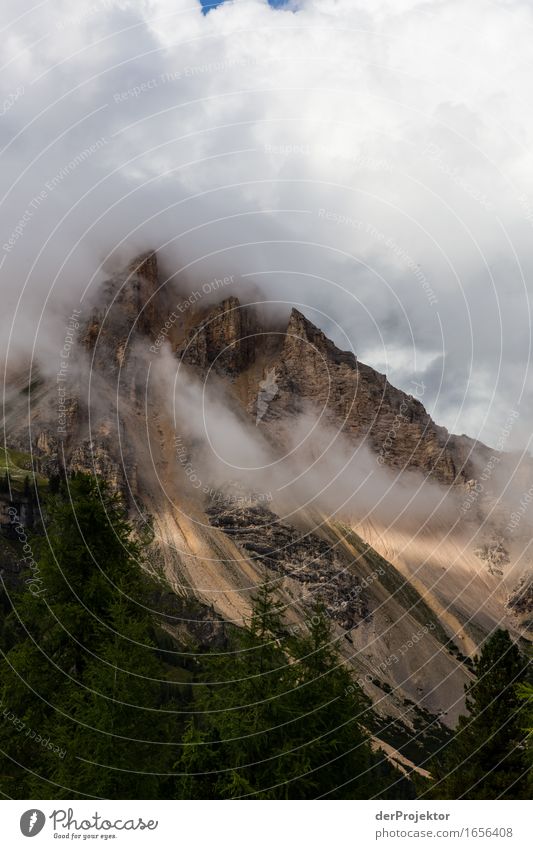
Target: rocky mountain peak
<point x="222" y="338"/>
<point x="276" y="374"/>
<point x="306" y="371"/>
<point x="132" y="303"/>
<point x="305" y="339"/>
<point x="145" y="266"/>
<point x="281" y="376"/>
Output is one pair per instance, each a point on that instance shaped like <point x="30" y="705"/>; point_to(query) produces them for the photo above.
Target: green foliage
<point x="87" y="669"/>
<point x="84" y="672"/>
<point x="4" y="483"/>
<point x="17" y="469"/>
<point x="282" y="721"/>
<point x="98" y="700"/>
<point x="525" y="692"/>
<point x="486" y="758"/>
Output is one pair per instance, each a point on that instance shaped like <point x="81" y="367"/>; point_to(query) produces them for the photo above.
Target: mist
<point x="313" y="470"/>
<point x="368" y="162"/>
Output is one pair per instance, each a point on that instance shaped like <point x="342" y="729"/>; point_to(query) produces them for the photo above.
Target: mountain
<point x="309" y="368"/>
<point x="257" y="450"/>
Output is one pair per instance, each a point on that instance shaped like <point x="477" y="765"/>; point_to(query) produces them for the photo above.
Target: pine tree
<point x="85" y="672"/>
<point x="525" y="692"/>
<point x="286" y="724"/>
<point x="275" y="715"/>
<point x="4" y="483"/>
<point x="486" y="758"/>
<point x="239" y="710"/>
<point x="54" y="484"/>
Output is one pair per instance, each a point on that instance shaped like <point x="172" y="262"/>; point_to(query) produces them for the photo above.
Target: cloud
<point x="369" y="160"/>
<point x="313" y="468"/>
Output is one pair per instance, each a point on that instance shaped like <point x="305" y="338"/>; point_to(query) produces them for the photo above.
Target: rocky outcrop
<point x="222" y="340"/>
<point x="99" y="458"/>
<point x="132" y="304"/>
<point x="268" y="373"/>
<point x="268" y="390"/>
<point x="83" y="427"/>
<point x="304" y="558"/>
<point x="521" y="599"/>
<point x="302" y="370"/>
<point x="494" y="553"/>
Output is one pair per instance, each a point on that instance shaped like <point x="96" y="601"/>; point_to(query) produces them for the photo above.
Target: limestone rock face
<point x="84" y="429"/>
<point x="521" y="599"/>
<point x="275" y="373"/>
<point x="132" y="304"/>
<point x="361" y="402"/>
<point x="380" y="587"/>
<point x="99" y="457"/>
<point x="304" y="561"/>
<point x="302" y="370"/>
<point x="223" y="340"/>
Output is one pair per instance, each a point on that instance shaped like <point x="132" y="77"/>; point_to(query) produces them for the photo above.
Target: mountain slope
<point x="257" y="450"/>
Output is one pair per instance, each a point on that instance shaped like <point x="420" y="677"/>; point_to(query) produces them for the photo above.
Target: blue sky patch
<point x="212" y="4"/>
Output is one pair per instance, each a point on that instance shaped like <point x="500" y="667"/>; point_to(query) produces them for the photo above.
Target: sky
<point x="212" y="4"/>
<point x="369" y="161"/>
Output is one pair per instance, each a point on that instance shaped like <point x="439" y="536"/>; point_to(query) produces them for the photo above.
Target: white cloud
<point x="226" y="135"/>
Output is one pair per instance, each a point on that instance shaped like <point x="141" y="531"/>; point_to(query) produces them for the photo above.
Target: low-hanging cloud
<point x="312" y="467"/>
<point x="368" y="161"/>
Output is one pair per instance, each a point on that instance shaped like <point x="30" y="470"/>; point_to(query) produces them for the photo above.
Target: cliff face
<point x="381" y="586"/>
<point x="82" y="418"/>
<point x="304" y="561"/>
<point x="131" y="305"/>
<point x="224" y="340"/>
<point x="301" y="370"/>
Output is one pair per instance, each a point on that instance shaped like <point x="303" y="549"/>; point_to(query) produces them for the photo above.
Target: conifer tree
<point x="525" y="692"/>
<point x="283" y="721"/>
<point x="486" y="758"/>
<point x="85" y="673"/>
